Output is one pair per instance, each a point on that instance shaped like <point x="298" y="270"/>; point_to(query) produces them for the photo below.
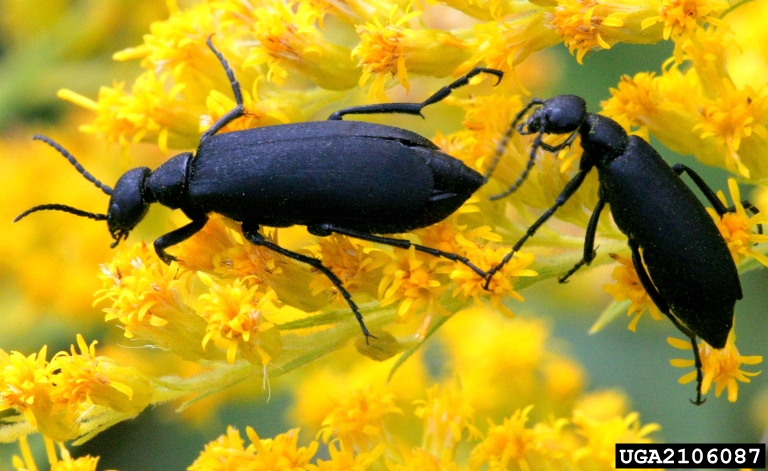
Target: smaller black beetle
<point x="334" y="176"/>
<point x="680" y="256"/>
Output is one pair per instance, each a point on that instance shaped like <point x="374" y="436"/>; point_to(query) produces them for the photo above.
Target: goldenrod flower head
<point x="355" y="262"/>
<point x="65" y="463"/>
<point x="345" y="459"/>
<point x="633" y="102"/>
<point x="629" y="287"/>
<point x="447" y="414"/>
<point x="416" y="280"/>
<point x="602" y="435"/>
<point x="393" y="49"/>
<point x="288" y="38"/>
<point x="237" y="318"/>
<point x="721" y="366"/>
<point x="681" y="18"/>
<point x="589" y="24"/>
<point x="25" y="383"/>
<point x="504" y="44"/>
<point x="512" y="444"/>
<point x="470" y="284"/>
<point x="141" y="288"/>
<point x="151" y="301"/>
<point x="357" y="418"/>
<point x="149" y="113"/>
<point x="737" y="227"/>
<point x="228" y="452"/>
<point x="86" y="379"/>
<point x="732" y="116"/>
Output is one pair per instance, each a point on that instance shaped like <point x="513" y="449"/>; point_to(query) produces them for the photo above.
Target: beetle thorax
<point x="602" y="139"/>
<point x="168" y="183"/>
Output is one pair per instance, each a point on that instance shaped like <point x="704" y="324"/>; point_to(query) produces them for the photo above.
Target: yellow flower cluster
<point x="69" y="395"/>
<point x="584" y="441"/>
<point x="249" y="312"/>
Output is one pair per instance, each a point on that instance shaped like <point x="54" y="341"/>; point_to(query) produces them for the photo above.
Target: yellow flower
<point x="66" y="463"/>
<point x="416" y="280"/>
<point x="470" y="284"/>
<point x="589" y="24"/>
<point x="149" y="113"/>
<point x="86" y="379"/>
<point x="237" y="318"/>
<point x="228" y="452"/>
<point x="150" y="299"/>
<point x="513" y="444"/>
<point x="355" y="262"/>
<point x="603" y="434"/>
<point x="682" y="17"/>
<point x="629" y="287"/>
<point x="288" y="38"/>
<point x="357" y="419"/>
<point x="447" y="414"/>
<point x="737" y="227"/>
<point x="719" y="366"/>
<point x="394" y="49"/>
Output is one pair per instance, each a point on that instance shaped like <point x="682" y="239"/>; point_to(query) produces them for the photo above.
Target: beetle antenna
<point x="64" y="208"/>
<point x="524" y="175"/>
<point x="74" y="162"/>
<point x="502" y="147"/>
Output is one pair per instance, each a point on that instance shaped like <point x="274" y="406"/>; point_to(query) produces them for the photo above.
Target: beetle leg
<point x="589" y="242"/>
<point x="568" y="191"/>
<point x="327" y="229"/>
<point x="645" y="280"/>
<point x="251" y="232"/>
<point x="239" y="110"/>
<point x="179" y="235"/>
<point x="720" y="208"/>
<point x="415" y="108"/>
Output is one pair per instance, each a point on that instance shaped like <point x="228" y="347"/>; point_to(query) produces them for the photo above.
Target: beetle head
<point x="128" y="204"/>
<point x="559" y="115"/>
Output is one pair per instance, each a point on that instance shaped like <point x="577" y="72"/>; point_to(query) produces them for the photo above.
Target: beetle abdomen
<point x="684" y="253"/>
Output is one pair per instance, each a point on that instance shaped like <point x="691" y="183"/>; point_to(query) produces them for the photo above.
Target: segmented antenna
<point x="75" y="163"/>
<point x="64" y="208"/>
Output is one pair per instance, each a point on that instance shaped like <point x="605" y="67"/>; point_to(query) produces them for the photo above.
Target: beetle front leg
<point x="179" y="235"/>
<point x="323" y="230"/>
<point x="251" y="232"/>
<point x="565" y="195"/>
<point x="660" y="303"/>
<point x="589" y="242"/>
<point x="415" y="108"/>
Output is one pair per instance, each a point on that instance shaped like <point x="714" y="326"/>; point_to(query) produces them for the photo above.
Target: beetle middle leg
<point x="251" y="233"/>
<point x="589" y="242"/>
<point x="660" y="303"/>
<point x="415" y="108"/>
<point x="323" y="230"/>
<point x="565" y="195"/>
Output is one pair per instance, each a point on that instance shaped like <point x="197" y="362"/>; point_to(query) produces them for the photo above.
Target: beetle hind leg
<point x="415" y="108"/>
<point x="645" y="280"/>
<point x="251" y="232"/>
<point x="327" y="229"/>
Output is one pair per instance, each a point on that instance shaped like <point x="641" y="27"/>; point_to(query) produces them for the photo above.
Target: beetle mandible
<point x="352" y="178"/>
<point x="681" y="258"/>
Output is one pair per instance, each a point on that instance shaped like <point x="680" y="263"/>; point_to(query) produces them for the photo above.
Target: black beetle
<point x="334" y="176"/>
<point x="691" y="275"/>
